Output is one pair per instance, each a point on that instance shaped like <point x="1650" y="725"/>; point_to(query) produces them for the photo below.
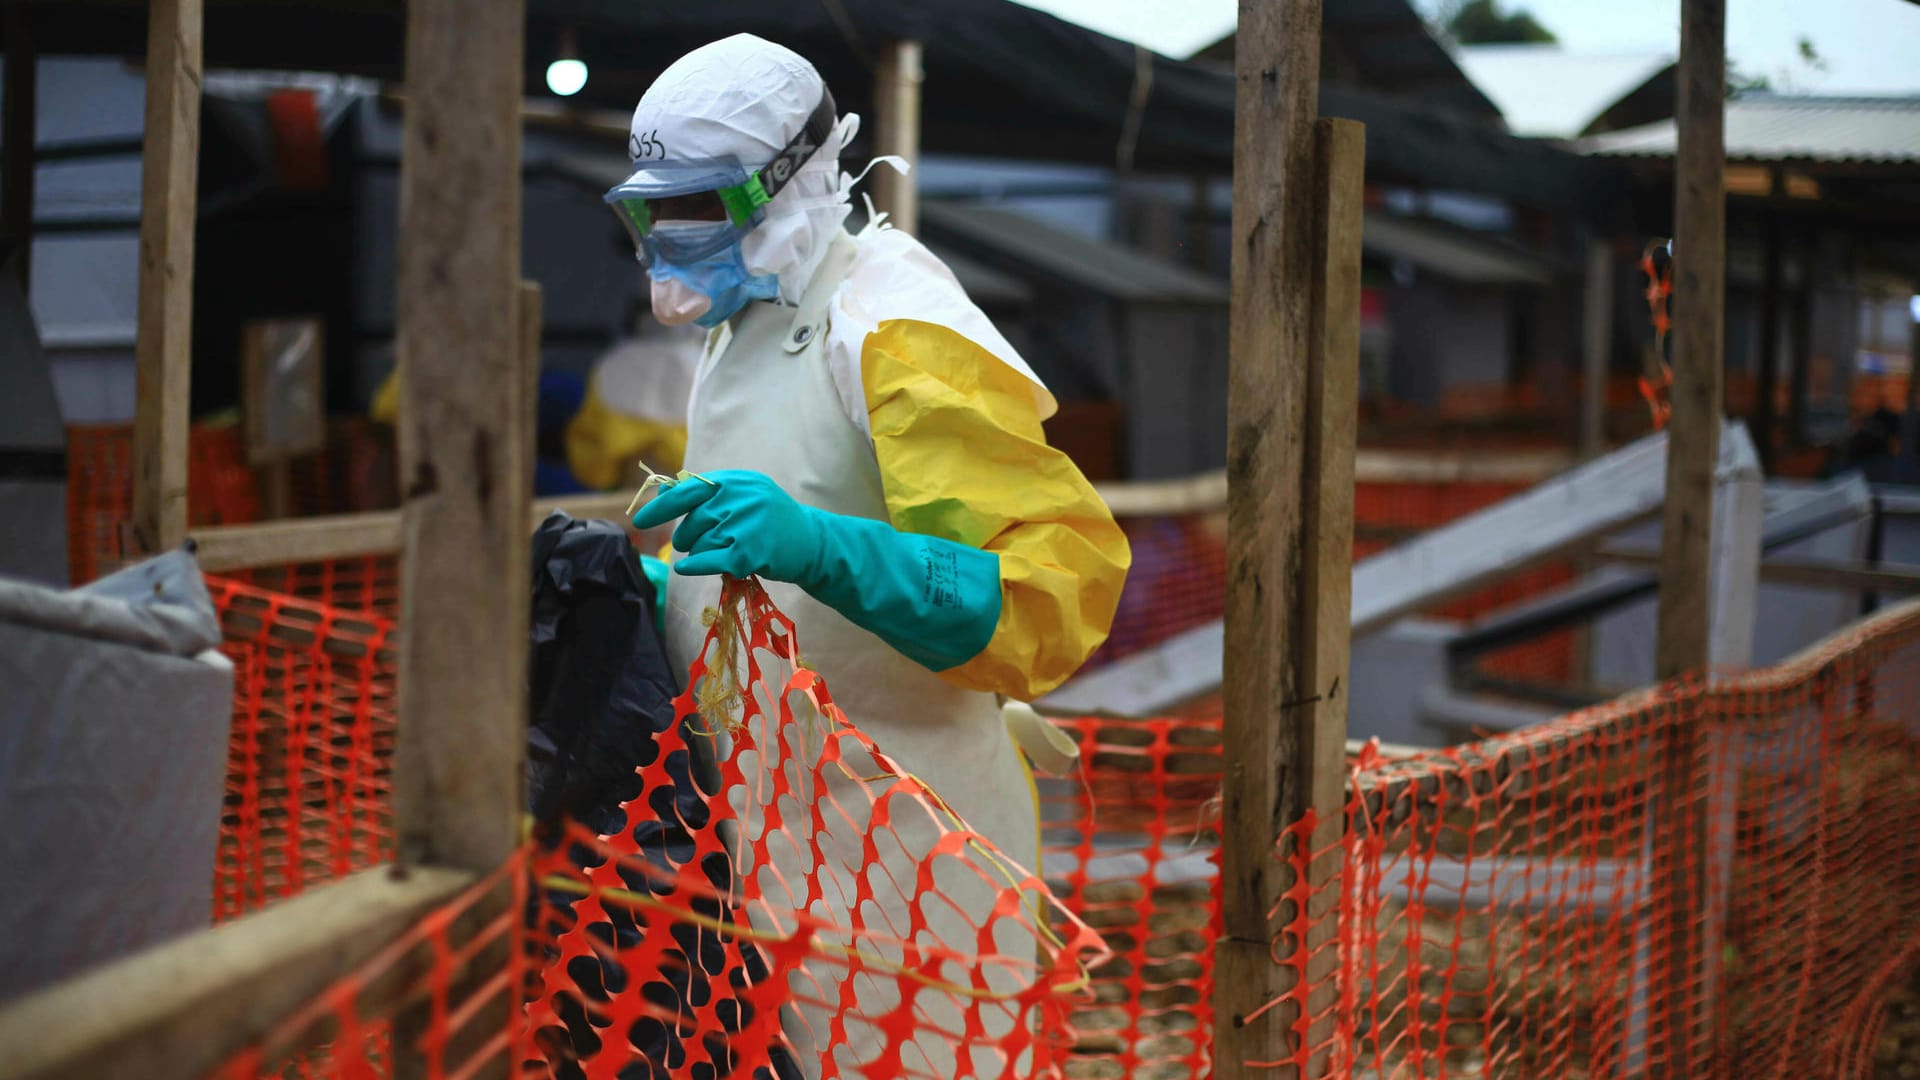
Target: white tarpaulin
<point x="114" y="709"/>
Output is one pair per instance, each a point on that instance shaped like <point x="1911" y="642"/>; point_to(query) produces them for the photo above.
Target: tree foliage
<point x="1488" y="22"/>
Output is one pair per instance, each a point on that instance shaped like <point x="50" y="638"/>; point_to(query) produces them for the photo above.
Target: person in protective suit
<point x="871" y="447"/>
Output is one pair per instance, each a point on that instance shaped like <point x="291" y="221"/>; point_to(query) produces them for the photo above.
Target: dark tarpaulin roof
<point x="1001" y="80"/>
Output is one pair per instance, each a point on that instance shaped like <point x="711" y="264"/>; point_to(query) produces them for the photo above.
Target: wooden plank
<point x="1319" y="724"/>
<point x="1277" y="67"/>
<point x="1699" y="290"/>
<point x="342" y="536"/>
<point x="1683" y="642"/>
<point x="1596" y="348"/>
<point x="180" y="1009"/>
<point x="17" y="142"/>
<point x="313" y="539"/>
<point x="465" y="462"/>
<point x="896" y="95"/>
<point x="169" y="170"/>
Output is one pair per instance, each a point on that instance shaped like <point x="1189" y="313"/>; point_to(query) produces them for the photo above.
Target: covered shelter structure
<point x="1823" y="258"/>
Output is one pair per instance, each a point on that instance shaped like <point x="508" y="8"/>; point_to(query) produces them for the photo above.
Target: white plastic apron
<point x="764" y="399"/>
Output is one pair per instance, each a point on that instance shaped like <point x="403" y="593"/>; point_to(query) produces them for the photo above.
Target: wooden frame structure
<point x="469" y="332"/>
<point x="469" y="336"/>
<point x="1292" y="412"/>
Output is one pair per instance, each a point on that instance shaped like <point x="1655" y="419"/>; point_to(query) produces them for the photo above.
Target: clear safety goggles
<point x="684" y="211"/>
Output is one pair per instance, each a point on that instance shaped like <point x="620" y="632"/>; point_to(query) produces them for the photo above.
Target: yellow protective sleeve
<point x="604" y="444"/>
<point x="963" y="457"/>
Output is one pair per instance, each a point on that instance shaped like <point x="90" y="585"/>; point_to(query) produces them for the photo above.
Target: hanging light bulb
<point x="567" y="75"/>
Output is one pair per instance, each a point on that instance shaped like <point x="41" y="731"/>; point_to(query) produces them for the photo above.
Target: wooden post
<point x="896" y="96"/>
<point x="1293" y="379"/>
<point x="17" y="139"/>
<point x="1319" y="730"/>
<point x="1800" y="343"/>
<point x="1765" y="414"/>
<point x="1684" y="636"/>
<point x="169" y="169"/>
<point x="1596" y="348"/>
<point x="1699" y="289"/>
<point x="466" y="465"/>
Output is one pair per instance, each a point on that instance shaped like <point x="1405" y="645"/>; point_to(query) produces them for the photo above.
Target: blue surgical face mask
<point x="720" y="275"/>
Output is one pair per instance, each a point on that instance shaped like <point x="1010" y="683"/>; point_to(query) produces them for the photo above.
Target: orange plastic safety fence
<point x="810" y="908"/>
<point x="310" y="751"/>
<point x="220" y="489"/>
<point x="367" y="583"/>
<point x="1703" y="881"/>
<point x="1129" y="848"/>
<point x="445" y="996"/>
<point x="811" y="905"/>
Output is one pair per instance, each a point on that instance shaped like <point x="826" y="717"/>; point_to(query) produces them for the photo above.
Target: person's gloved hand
<point x="741" y="524"/>
<point x="935" y="601"/>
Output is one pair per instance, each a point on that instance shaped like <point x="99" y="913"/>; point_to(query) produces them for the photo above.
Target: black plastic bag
<point x="602" y="691"/>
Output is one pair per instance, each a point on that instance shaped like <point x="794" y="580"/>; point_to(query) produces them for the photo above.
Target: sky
<point x="1870" y="46"/>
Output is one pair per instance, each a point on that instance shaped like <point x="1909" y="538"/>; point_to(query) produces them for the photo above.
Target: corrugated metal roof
<point x="1548" y="92"/>
<point x="1771" y="127"/>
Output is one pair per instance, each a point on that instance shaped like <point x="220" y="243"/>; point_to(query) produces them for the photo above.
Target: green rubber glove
<point x="656" y="571"/>
<point x="935" y="601"/>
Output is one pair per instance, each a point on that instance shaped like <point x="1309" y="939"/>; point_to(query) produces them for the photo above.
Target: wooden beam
<point x="344" y="536"/>
<point x="313" y="539"/>
<point x="169" y="171"/>
<point x="1264" y="787"/>
<point x="896" y="95"/>
<point x="1596" y="348"/>
<point x="1699" y="287"/>
<point x="18" y="139"/>
<point x="1319" y="729"/>
<point x="466" y="465"/>
<point x="1683" y="637"/>
<point x="177" y="1011"/>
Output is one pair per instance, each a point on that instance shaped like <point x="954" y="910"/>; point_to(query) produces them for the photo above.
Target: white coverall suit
<point x="871" y="388"/>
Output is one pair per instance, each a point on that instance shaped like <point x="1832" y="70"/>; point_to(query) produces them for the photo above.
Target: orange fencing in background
<point x="220" y="489"/>
<point x="309" y="761"/>
<point x="1179" y="574"/>
<point x="1697" y="881"/>
<point x="1129" y="845"/>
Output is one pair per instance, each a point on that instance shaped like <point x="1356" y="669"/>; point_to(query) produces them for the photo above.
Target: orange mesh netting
<point x="1705" y="880"/>
<point x="1700" y="881"/>
<point x="809" y="895"/>
<point x="1129" y="848"/>
<point x="220" y="489"/>
<point x="310" y="750"/>
<point x="443" y="993"/>
<point x="819" y="908"/>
